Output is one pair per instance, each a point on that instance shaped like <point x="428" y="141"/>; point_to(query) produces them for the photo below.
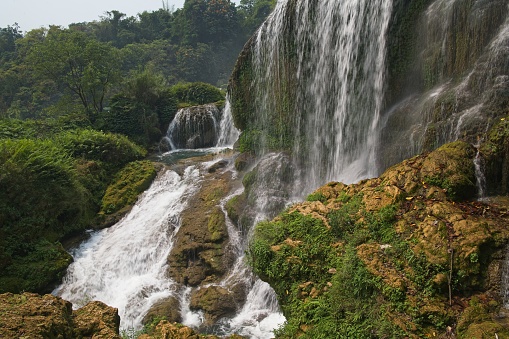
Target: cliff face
<point x="448" y="74"/>
<point x="402" y="255"/>
<point x="445" y="77"/>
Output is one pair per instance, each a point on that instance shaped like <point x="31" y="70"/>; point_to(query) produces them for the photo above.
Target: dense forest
<point x="54" y="71"/>
<point x="78" y="104"/>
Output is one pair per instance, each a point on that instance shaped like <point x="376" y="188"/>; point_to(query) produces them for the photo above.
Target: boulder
<point x="30" y="315"/>
<point x="215" y="301"/>
<point x="97" y="320"/>
<point x="168" y="308"/>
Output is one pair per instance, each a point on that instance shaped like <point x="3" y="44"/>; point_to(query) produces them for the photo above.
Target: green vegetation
<point x="58" y="71"/>
<point x="52" y="187"/>
<point x="383" y="259"/>
<point x="127" y="185"/>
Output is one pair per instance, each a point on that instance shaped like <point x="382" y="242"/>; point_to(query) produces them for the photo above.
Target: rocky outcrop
<point x="201" y="254"/>
<point x="403" y="255"/>
<point x="96" y="320"/>
<point x="167" y="330"/>
<point x="31" y="315"/>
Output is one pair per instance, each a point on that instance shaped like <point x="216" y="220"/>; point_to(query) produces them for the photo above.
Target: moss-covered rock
<point x="394" y="256"/>
<point x="96" y="320"/>
<point x="168" y="309"/>
<point x="495" y="152"/>
<point x="29" y="315"/>
<point x="125" y="188"/>
<point x="215" y="301"/>
<point x="199" y="252"/>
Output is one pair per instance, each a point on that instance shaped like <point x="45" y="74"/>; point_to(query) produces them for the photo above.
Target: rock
<point x="243" y="161"/>
<point x="30" y="315"/>
<point x="97" y="320"/>
<point x="215" y="301"/>
<point x="168" y="308"/>
<point x="413" y="235"/>
<point x="200" y="252"/>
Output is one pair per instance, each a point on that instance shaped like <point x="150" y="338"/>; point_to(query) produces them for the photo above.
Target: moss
<point x="451" y="167"/>
<point x="127" y="185"/>
<point x="379" y="258"/>
<point x="235" y="206"/>
<point x="216" y="224"/>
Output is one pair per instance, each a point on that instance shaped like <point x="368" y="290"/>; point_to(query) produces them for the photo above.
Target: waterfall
<point x="228" y="133"/>
<point x="339" y="49"/>
<point x="124" y="266"/>
<point x="194" y="127"/>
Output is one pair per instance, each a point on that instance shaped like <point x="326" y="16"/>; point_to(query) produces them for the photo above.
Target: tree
<point x="87" y="67"/>
<point x="254" y="12"/>
<point x="8" y="37"/>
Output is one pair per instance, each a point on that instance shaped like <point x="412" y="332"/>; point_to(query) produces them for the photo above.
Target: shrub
<point x="197" y="93"/>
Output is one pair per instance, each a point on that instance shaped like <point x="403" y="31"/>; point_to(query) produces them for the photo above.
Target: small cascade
<point x="228" y="133"/>
<point x="194" y="127"/>
<point x="124" y="266"/>
<point x="261" y="304"/>
<point x="480" y="178"/>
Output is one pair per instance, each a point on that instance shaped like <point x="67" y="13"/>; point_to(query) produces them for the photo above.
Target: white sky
<point x="30" y="14"/>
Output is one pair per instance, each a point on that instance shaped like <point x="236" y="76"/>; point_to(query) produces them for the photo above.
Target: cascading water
<point x="124" y="265"/>
<point x="228" y="133"/>
<point x="339" y="48"/>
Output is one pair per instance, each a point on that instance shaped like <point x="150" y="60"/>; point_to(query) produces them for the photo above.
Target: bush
<point x="197" y="93"/>
<point x="113" y="149"/>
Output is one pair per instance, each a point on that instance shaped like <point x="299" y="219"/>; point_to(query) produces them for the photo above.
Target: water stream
<point x="124" y="265"/>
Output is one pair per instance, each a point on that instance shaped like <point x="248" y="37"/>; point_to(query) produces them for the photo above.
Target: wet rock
<point x="200" y="253"/>
<point x="215" y="301"/>
<point x="168" y="308"/>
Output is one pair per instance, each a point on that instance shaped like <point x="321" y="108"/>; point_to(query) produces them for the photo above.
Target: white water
<point x="194" y="127"/>
<point x="228" y="133"/>
<point x="124" y="266"/>
<point x="340" y="49"/>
